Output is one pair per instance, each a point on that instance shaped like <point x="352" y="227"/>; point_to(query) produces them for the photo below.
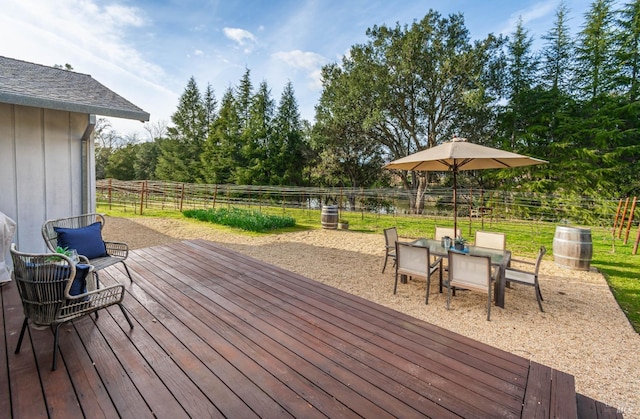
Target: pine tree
<point x="256" y="137"/>
<point x="287" y="149"/>
<point x="595" y="71"/>
<point x="557" y="54"/>
<point x="180" y="155"/>
<point x="628" y="52"/>
<point x="220" y="152"/>
<point x="520" y="74"/>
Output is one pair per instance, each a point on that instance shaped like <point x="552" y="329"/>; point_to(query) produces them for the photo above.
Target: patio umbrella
<point x="458" y="154"/>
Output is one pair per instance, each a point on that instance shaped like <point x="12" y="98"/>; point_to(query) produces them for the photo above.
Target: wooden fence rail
<point x="139" y="196"/>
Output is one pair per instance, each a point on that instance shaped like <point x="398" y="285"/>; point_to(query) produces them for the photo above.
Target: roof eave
<point x="73" y="107"/>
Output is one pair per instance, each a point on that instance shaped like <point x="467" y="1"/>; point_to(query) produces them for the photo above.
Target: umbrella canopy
<point x="458" y="154"/>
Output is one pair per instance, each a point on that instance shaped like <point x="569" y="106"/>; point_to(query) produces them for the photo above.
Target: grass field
<point x="611" y="256"/>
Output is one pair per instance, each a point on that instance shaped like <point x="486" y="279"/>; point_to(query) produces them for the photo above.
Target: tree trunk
<point x="419" y="197"/>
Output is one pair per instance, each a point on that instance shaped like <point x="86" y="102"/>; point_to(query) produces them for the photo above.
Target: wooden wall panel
<point x="58" y="165"/>
<point x="41" y="169"/>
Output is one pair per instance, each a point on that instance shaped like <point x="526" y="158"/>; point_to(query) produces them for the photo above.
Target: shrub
<point x="242" y="219"/>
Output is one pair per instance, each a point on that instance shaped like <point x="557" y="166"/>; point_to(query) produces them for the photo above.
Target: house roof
<point x="29" y="84"/>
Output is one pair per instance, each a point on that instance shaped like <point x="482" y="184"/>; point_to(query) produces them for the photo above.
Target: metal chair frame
<point x="117" y="252"/>
<point x="44" y="281"/>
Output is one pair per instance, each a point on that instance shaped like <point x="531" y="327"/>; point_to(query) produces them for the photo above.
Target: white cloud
<point x="240" y="36"/>
<point x="310" y="62"/>
<point x="533" y="13"/>
<point x="301" y="59"/>
<point x="124" y="16"/>
<point x="198" y="52"/>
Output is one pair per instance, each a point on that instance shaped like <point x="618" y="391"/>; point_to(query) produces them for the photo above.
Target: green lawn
<point x="524" y="238"/>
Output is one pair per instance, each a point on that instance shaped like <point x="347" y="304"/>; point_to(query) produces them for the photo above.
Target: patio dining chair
<point x="390" y="239"/>
<point x="54" y="290"/>
<point x="446" y="231"/>
<point x="415" y="261"/>
<point x="84" y="233"/>
<point x="472" y="273"/>
<point x="491" y="240"/>
<point x="441" y="232"/>
<point x="528" y="278"/>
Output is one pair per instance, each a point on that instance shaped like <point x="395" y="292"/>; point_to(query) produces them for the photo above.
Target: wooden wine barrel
<point x="329" y="217"/>
<point x="572" y="248"/>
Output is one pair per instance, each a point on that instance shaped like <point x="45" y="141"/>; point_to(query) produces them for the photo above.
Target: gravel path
<point x="583" y="331"/>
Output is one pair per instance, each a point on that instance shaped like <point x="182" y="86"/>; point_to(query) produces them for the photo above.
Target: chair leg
<point x="426" y="301"/>
<point x="489" y="305"/>
<point x="54" y="365"/>
<point x="126" y="316"/>
<point x="539" y="298"/>
<point x="126" y="268"/>
<point x="24" y="327"/>
<point x="395" y="286"/>
<point x="448" y="295"/>
<point x="386" y="258"/>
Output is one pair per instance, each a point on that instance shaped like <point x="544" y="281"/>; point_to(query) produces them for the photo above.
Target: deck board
<point x="220" y="334"/>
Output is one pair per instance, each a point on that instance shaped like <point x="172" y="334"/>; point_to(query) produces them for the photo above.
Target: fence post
<point x="633" y="209"/>
<point x="624" y="214"/>
<point x="615" y="220"/>
<point x="141" y="197"/>
<point x="109" y="193"/>
<point x="362" y="201"/>
<point x="181" y="197"/>
<point x="635" y="246"/>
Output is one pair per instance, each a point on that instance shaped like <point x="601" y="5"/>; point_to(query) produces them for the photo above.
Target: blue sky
<point x="146" y="50"/>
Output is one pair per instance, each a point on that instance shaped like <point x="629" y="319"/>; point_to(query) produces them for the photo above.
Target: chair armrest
<point x="526" y="262"/>
<point x="518" y="271"/>
<point x="98" y="298"/>
<point x="437" y="260"/>
<point x="118" y="249"/>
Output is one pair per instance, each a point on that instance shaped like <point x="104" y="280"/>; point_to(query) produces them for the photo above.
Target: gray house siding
<point x="42" y="172"/>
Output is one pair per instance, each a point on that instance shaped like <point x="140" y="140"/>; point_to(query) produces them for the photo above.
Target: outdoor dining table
<point x="499" y="259"/>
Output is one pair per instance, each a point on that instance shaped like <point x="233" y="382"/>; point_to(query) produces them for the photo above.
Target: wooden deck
<point x="219" y="334"/>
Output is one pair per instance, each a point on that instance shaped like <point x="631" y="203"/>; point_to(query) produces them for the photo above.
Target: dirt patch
<point x="583" y="331"/>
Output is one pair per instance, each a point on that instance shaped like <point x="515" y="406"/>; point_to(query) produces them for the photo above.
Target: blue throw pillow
<point x="86" y="240"/>
<point x="79" y="285"/>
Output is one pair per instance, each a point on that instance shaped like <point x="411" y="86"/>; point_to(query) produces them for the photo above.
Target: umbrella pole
<point x="455" y="204"/>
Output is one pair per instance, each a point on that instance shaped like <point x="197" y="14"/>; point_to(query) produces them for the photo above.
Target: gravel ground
<point x="583" y="331"/>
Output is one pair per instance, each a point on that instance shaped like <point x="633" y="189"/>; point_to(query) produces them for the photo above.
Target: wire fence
<point x="138" y="196"/>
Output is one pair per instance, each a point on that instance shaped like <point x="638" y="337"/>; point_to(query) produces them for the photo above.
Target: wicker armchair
<point x="46" y="286"/>
<point x="115" y="251"/>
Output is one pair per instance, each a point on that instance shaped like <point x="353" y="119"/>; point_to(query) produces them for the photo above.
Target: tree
<point x="595" y="71"/>
<point x="121" y="163"/>
<point x="344" y="157"/>
<point x="412" y="82"/>
<point x="180" y="154"/>
<point x="520" y="74"/>
<point x="557" y="54"/>
<point x="221" y="150"/>
<point x="286" y="150"/>
<point x="67" y="66"/>
<point x="209" y="104"/>
<point x="256" y="140"/>
<point x="146" y="160"/>
<point x="628" y="51"/>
